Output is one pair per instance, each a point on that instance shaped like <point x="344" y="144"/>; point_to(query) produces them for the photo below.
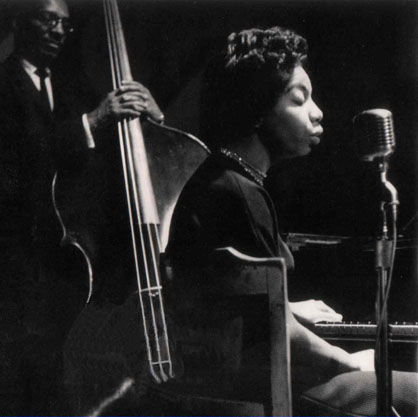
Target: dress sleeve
<point x="228" y="211"/>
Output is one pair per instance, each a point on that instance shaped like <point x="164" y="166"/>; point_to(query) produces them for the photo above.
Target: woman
<point x="262" y="112"/>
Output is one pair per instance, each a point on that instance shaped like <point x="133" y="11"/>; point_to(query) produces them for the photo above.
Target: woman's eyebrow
<point x="300" y="86"/>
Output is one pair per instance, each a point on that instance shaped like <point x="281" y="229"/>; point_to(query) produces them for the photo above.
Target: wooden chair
<point x="233" y="274"/>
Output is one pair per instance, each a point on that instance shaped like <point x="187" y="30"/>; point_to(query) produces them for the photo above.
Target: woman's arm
<point x="323" y="359"/>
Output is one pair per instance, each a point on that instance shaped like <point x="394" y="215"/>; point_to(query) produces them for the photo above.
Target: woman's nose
<point x="316" y="114"/>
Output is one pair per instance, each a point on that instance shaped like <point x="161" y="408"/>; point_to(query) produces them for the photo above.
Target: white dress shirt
<point x="30" y="69"/>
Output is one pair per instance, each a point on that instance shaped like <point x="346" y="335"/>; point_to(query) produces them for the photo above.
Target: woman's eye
<point x="297" y="98"/>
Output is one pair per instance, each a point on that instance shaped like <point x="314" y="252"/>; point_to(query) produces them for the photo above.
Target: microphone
<point x="374" y="133"/>
<point x="376" y="140"/>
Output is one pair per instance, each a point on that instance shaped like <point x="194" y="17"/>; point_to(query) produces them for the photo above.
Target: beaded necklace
<point x="257" y="175"/>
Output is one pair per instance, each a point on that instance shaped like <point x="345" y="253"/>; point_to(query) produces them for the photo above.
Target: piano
<point x="366" y="332"/>
<point x="340" y="271"/>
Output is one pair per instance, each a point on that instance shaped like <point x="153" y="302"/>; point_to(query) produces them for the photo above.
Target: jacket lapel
<point x="27" y="91"/>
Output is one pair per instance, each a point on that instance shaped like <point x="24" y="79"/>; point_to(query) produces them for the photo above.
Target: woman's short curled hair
<point x="247" y="80"/>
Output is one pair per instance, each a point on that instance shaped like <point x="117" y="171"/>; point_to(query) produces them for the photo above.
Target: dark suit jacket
<point x="37" y="290"/>
<point x="33" y="143"/>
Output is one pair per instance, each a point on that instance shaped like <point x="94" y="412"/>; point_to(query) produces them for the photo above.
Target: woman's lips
<point x="315" y="140"/>
<point x="315" y="137"/>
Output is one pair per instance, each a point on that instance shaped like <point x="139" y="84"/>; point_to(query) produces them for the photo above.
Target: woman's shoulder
<point x="218" y="186"/>
<point x="219" y="174"/>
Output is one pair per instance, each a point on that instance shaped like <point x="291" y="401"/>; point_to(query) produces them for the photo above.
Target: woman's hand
<point x="349" y="362"/>
<point x="132" y="100"/>
<point x="310" y="312"/>
<point x="363" y="360"/>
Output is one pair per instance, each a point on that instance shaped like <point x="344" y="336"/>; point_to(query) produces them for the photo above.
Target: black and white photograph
<point x="209" y="207"/>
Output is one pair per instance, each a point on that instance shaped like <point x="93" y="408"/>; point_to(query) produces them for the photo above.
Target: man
<point x="43" y="128"/>
<point x="39" y="125"/>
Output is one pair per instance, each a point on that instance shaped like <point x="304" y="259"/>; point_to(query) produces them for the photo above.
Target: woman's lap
<point x="355" y="393"/>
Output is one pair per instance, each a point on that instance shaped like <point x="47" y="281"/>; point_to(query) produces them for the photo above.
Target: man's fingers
<point x="130" y="113"/>
<point x="132" y="95"/>
<point x="132" y="82"/>
<point x="132" y="86"/>
<point x="133" y="106"/>
<point x="132" y="98"/>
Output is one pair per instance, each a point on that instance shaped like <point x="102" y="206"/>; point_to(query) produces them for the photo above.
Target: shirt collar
<point x="30" y="68"/>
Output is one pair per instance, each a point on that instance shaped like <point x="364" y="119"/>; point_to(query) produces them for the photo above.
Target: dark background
<point x="363" y="54"/>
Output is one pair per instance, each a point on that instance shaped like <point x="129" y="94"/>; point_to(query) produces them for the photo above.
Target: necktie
<point x="43" y="142"/>
<point x="43" y="73"/>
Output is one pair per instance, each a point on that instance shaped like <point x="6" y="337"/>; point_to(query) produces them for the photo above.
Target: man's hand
<point x="313" y="311"/>
<point x="130" y="100"/>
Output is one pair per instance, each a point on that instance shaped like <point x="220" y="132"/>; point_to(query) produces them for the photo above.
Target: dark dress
<point x="223" y="206"/>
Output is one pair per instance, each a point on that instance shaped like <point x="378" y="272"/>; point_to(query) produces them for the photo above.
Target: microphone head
<point x="374" y="134"/>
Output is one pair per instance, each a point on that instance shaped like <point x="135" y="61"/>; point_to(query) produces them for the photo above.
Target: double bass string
<point x="131" y="183"/>
<point x="146" y="214"/>
<point x="129" y="180"/>
<point x="116" y="77"/>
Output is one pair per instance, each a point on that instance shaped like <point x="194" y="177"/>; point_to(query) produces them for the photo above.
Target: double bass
<point x="162" y="159"/>
<point x="142" y="210"/>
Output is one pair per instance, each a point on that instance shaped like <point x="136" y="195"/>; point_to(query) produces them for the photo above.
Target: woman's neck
<point x="253" y="152"/>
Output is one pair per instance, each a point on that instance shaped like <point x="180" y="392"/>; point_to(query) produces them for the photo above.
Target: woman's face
<point x="292" y="126"/>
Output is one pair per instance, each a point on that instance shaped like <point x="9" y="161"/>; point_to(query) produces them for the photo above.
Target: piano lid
<point x="296" y="241"/>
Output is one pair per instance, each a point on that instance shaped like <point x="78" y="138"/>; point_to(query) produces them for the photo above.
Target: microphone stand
<point x="384" y="257"/>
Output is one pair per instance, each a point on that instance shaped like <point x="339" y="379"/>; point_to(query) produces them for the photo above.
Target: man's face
<point x="44" y="31"/>
<point x="292" y="126"/>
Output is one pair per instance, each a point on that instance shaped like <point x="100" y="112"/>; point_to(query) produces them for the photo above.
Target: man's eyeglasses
<point x="51" y="21"/>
